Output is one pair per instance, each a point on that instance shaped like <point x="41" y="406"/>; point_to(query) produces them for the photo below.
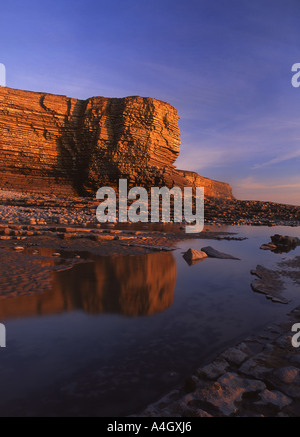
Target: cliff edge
<point x="67" y="146"/>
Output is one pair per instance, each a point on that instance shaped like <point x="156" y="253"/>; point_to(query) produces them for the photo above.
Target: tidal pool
<point x="115" y="334"/>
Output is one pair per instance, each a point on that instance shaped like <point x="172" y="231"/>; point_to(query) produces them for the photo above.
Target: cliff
<point x="58" y="144"/>
<point x="212" y="188"/>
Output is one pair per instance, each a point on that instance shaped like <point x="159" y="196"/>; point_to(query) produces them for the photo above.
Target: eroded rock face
<point x="212" y="188"/>
<point x="64" y="145"/>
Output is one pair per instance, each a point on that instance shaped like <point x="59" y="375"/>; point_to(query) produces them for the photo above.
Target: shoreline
<point x="260" y="376"/>
<point x="27" y="208"/>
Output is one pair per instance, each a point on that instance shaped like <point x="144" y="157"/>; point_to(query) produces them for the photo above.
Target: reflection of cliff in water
<point x="128" y="285"/>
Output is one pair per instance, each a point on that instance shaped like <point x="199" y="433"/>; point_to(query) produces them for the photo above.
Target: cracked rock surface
<point x="259" y="377"/>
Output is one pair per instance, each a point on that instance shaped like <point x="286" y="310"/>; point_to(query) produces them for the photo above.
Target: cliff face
<point x="54" y="143"/>
<point x="211" y="188"/>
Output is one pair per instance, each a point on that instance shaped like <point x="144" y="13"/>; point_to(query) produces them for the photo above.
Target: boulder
<point x="281" y="240"/>
<point x="213" y="253"/>
<point x="192" y="255"/>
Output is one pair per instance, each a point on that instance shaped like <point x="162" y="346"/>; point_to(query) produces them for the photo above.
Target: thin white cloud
<point x="278" y="159"/>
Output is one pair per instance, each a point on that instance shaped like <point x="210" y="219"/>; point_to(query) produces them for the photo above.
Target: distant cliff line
<point x="53" y="143"/>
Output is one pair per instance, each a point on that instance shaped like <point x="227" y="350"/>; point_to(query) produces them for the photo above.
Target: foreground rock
<point x="213" y="253"/>
<point x="192" y="256"/>
<point x="281" y="240"/>
<point x="268" y="246"/>
<point x="285" y="243"/>
<point x="259" y="377"/>
<point x="281" y="244"/>
<point x="269" y="283"/>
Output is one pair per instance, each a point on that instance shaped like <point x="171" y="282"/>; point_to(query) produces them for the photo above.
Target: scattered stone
<point x="213" y="253"/>
<point x="235" y="356"/>
<point x="103" y="237"/>
<point x="268" y="246"/>
<point x="274" y="398"/>
<point x="280" y="240"/>
<point x="284" y="244"/>
<point x="192" y="255"/>
<point x="288" y="375"/>
<point x="225" y="394"/>
<point x="269" y="284"/>
<point x="214" y="370"/>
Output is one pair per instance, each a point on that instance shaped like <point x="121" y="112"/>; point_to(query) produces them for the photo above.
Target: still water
<point x="115" y="334"/>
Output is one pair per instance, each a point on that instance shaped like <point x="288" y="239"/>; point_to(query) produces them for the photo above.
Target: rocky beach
<point x="57" y="260"/>
<point x="259" y="376"/>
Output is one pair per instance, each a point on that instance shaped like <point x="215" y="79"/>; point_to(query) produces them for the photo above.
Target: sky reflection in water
<point x="115" y="334"/>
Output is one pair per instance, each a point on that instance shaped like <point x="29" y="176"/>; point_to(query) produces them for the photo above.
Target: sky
<point x="225" y="65"/>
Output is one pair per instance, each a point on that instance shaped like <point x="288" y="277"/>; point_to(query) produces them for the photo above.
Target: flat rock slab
<point x="267" y="384"/>
<point x="213" y="253"/>
<point x="269" y="283"/>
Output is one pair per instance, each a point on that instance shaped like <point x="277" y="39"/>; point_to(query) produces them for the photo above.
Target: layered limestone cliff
<point x="211" y="188"/>
<point x="57" y="144"/>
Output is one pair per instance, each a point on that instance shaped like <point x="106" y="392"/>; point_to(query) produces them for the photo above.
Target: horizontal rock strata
<point x="212" y="188"/>
<point x="67" y="146"/>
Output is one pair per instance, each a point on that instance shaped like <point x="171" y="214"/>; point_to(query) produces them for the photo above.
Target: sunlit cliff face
<point x="76" y="146"/>
<point x="66" y="146"/>
<point x="131" y="286"/>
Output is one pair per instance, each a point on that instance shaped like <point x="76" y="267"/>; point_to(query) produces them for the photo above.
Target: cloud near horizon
<point x="285" y="190"/>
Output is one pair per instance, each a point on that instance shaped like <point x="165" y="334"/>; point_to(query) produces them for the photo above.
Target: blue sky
<point x="224" y="64"/>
